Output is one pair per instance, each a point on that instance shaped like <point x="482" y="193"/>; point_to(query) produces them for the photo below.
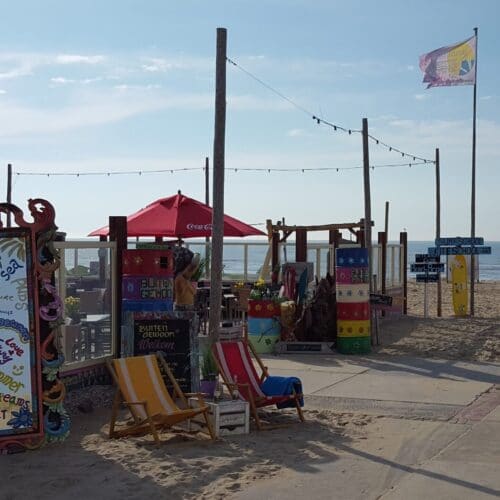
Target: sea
<point x="234" y="256"/>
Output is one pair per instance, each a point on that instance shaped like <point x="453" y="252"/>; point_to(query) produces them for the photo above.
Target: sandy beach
<point x="89" y="465"/>
<point x="447" y="337"/>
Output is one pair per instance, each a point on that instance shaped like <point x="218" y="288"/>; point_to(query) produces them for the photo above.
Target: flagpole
<point x="473" y="197"/>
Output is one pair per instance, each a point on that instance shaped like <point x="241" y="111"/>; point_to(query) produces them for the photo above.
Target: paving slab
<point x="403" y="386"/>
<point x="313" y="380"/>
<point x="443" y="480"/>
<point x="315" y="362"/>
<point x="364" y="469"/>
<point x="480" y="445"/>
<point x="397" y="409"/>
<point x="494" y="416"/>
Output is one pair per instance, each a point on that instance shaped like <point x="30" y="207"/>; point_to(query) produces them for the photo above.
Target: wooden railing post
<point x="118" y="233"/>
<point x="301" y="245"/>
<point x="382" y="240"/>
<point x="403" y="240"/>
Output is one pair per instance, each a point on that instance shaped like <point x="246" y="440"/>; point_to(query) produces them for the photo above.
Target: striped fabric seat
<point x="142" y="389"/>
<point x="238" y="371"/>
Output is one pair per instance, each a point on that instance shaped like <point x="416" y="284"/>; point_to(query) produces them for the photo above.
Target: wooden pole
<point x="368" y="211"/>
<point x="218" y="186"/>
<point x="275" y="256"/>
<point x="9" y="191"/>
<point x="386" y="225"/>
<point x="207" y="202"/>
<point x="403" y="240"/>
<point x="473" y="197"/>
<point x="301" y="245"/>
<point x="118" y="233"/>
<point x="438" y="229"/>
<point x="382" y="240"/>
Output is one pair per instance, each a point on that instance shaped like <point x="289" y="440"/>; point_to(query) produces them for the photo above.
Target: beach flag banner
<point x="451" y="65"/>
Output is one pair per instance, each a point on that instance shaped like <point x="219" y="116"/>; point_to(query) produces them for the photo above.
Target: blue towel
<point x="283" y="386"/>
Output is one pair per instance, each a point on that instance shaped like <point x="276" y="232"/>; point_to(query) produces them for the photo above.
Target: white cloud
<point x="125" y="86"/>
<point x="77" y="59"/>
<point x="94" y="108"/>
<point x="297" y="132"/>
<point x="154" y="65"/>
<point x="410" y="67"/>
<point x="421" y="97"/>
<point x="485" y="98"/>
<point x="60" y="80"/>
<point x="2" y="91"/>
<point x="163" y="65"/>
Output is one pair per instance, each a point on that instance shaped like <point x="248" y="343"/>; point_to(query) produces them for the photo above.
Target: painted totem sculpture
<point x="31" y="393"/>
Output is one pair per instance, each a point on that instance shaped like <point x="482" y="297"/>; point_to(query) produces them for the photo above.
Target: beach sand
<point x="448" y="337"/>
<point x="90" y="466"/>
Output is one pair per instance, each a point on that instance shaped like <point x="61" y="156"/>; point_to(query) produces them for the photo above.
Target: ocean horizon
<point x="233" y="255"/>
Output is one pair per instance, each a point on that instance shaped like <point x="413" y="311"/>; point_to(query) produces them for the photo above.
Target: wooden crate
<point x="228" y="417"/>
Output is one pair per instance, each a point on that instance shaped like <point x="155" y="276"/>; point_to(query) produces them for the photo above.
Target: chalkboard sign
<point x="20" y="391"/>
<point x="172" y="338"/>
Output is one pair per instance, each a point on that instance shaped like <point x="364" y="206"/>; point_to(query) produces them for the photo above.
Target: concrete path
<point x="444" y="442"/>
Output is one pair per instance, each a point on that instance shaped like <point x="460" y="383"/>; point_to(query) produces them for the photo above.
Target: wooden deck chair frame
<point x="255" y="402"/>
<point x="151" y="424"/>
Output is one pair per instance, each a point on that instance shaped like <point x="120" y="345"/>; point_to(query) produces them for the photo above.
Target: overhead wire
<point x="330" y="124"/>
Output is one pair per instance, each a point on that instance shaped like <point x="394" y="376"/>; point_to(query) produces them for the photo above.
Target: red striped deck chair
<point x="237" y="369"/>
<point x="142" y="390"/>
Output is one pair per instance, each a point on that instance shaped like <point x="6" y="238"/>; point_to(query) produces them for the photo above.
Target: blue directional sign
<point x="459" y="251"/>
<point x="458" y="241"/>
<point x="430" y="267"/>
<point x="427" y="278"/>
<point x="423" y="257"/>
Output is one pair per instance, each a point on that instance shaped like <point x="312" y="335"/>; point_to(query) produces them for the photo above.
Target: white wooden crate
<point x="227" y="417"/>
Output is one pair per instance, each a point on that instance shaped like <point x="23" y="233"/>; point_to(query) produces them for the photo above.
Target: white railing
<point x="247" y="264"/>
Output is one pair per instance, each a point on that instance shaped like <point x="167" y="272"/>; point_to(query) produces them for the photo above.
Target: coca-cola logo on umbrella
<point x="199" y="227"/>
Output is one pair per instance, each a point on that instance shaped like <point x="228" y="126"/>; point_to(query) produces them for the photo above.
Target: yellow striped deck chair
<point x="142" y="390"/>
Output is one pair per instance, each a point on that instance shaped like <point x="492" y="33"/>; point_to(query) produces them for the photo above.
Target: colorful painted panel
<point x="352" y="257"/>
<point x="148" y="305"/>
<point x="31" y="392"/>
<point x="353" y="293"/>
<point x="353" y="328"/>
<point x="268" y="326"/>
<point x="352" y="275"/>
<point x="263" y="309"/>
<point x="19" y="389"/>
<point x="147" y="288"/>
<point x="148" y="263"/>
<point x="353" y="310"/>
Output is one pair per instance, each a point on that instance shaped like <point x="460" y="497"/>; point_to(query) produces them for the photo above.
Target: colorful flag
<point x="452" y="65"/>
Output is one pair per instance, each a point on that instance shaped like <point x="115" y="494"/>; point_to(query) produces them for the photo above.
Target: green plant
<point x="208" y="366"/>
<point x="72" y="308"/>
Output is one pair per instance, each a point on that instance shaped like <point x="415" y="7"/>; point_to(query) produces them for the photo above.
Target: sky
<point x="92" y="86"/>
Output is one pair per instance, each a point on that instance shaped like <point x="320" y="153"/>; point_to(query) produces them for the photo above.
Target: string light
<point x="229" y="169"/>
<point x="396" y="150"/>
<point x="319" y="120"/>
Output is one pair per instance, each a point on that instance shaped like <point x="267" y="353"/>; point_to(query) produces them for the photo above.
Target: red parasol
<point x="180" y="217"/>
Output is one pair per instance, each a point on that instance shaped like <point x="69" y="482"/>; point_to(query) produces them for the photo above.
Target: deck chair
<point x="235" y="364"/>
<point x="142" y="390"/>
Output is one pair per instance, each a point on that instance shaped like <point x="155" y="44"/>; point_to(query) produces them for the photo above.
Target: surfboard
<point x="459" y="284"/>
